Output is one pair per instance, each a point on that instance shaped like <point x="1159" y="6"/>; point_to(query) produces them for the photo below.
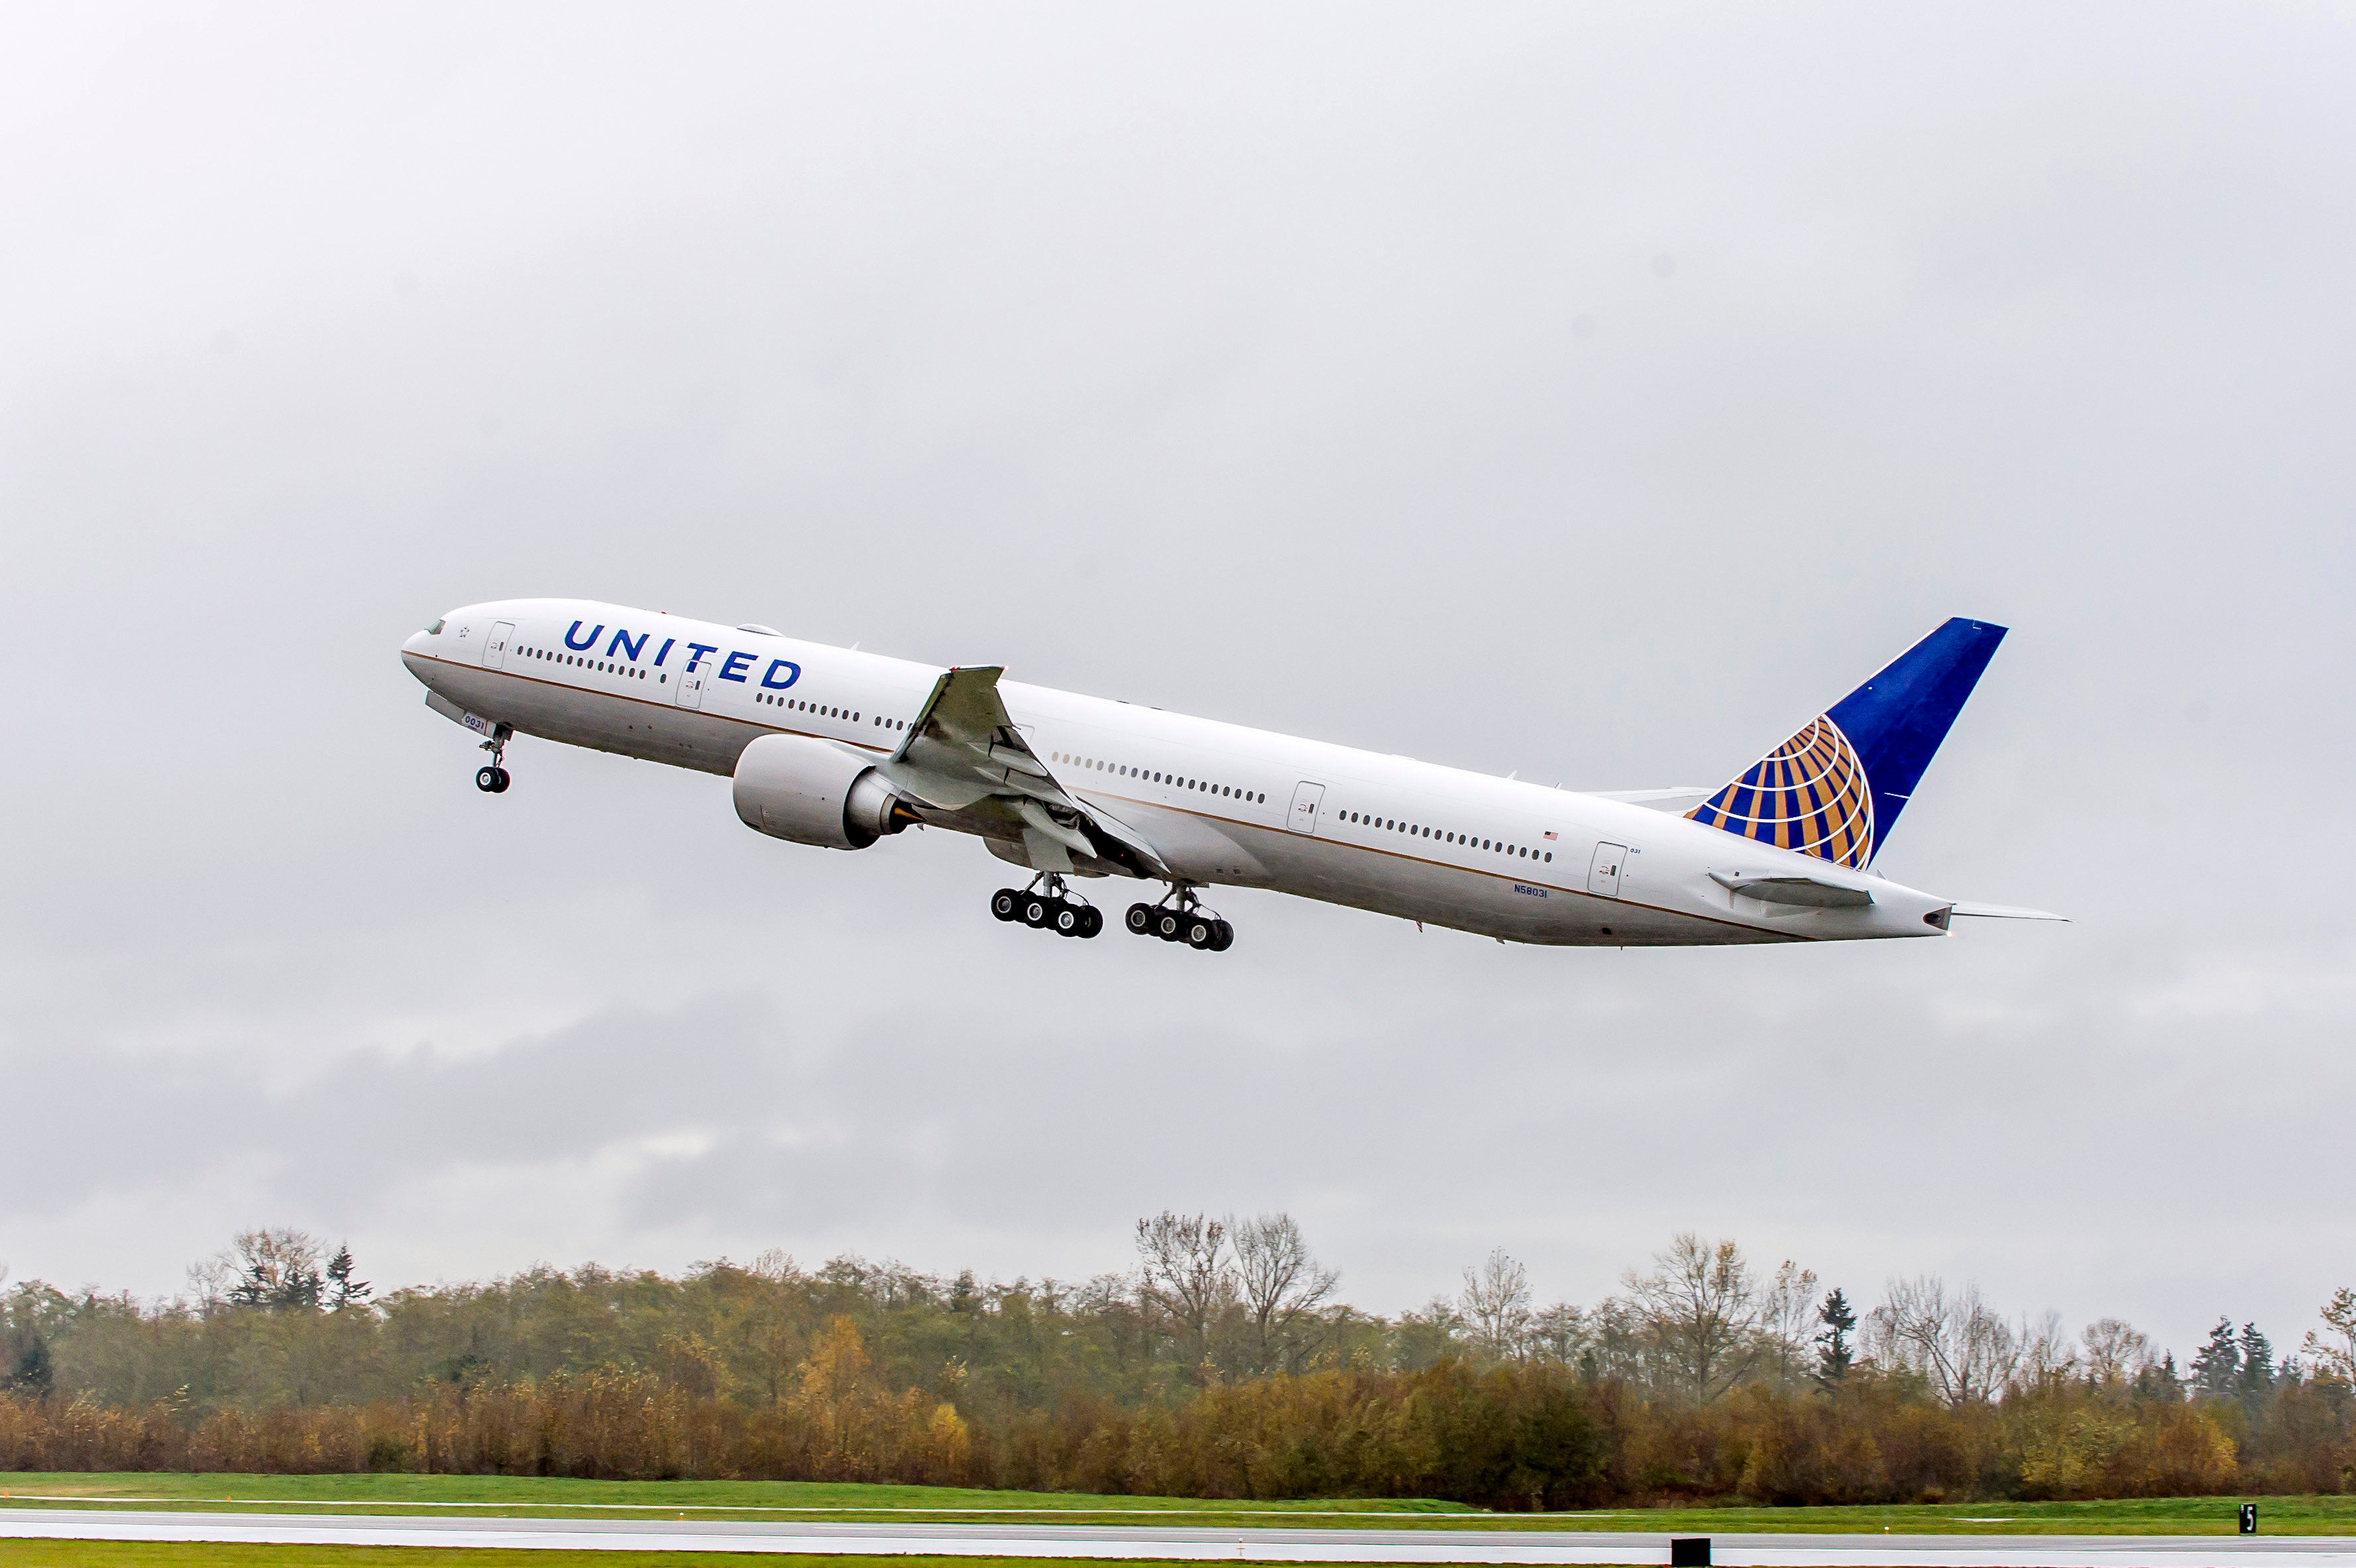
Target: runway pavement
<point x="1745" y="1550"/>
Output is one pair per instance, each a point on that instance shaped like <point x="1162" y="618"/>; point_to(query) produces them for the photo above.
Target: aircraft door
<point x="1603" y="873"/>
<point x="1307" y="800"/>
<point x="495" y="647"/>
<point x="691" y="687"/>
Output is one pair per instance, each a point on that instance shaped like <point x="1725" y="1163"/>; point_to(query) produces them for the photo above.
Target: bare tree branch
<point x="1185" y="1274"/>
<point x="1700" y="1304"/>
<point x="1281" y="1284"/>
<point x="1497" y="1304"/>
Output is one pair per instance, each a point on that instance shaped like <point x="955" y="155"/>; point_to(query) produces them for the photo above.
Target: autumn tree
<point x="2335" y="1357"/>
<point x="1185" y="1274"/>
<point x="1787" y="1323"/>
<point x="2117" y="1353"/>
<point x="1961" y="1347"/>
<point x="1496" y="1307"/>
<point x="1280" y="1285"/>
<point x="276" y="1269"/>
<point x="1701" y="1307"/>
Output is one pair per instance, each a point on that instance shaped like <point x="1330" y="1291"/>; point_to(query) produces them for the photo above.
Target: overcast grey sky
<point x="1595" y="391"/>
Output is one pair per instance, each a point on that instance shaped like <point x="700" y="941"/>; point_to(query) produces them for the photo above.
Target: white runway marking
<point x="1195" y="1544"/>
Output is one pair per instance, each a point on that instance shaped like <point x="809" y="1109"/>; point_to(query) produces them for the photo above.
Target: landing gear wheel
<point x="1201" y="931"/>
<point x="1226" y="938"/>
<point x="1068" y="919"/>
<point x="1092" y="921"/>
<point x="1038" y="909"/>
<point x="1169" y="925"/>
<point x="1140" y="919"/>
<point x="1006" y="904"/>
<point x="492" y="778"/>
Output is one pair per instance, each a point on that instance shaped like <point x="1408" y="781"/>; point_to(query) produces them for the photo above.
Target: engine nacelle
<point x="811" y="791"/>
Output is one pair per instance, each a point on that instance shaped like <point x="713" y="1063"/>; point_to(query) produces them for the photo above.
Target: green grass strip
<point x="784" y="1503"/>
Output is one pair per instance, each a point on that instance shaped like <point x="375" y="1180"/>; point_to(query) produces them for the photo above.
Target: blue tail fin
<point x="1834" y="789"/>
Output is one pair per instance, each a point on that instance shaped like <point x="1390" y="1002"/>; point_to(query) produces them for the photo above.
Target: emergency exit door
<point x="1603" y="872"/>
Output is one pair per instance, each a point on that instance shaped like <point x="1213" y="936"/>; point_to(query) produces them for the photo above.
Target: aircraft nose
<point x="417" y="653"/>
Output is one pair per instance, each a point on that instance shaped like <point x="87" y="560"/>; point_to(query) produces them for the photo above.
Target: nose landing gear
<point x="492" y="779"/>
<point x="1047" y="905"/>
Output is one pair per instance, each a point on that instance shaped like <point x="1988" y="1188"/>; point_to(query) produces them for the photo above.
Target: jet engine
<point x="811" y="791"/>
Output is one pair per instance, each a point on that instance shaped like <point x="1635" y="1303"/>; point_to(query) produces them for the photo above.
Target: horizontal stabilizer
<point x="1808" y="892"/>
<point x="1675" y="800"/>
<point x="2005" y="912"/>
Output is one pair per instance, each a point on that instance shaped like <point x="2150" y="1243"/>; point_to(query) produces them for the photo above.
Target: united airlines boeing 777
<point x="840" y="750"/>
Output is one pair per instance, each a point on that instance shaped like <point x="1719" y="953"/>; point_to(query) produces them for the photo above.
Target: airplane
<point x="839" y="749"/>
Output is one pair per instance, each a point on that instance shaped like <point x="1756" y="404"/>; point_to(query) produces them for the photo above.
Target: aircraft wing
<point x="964" y="754"/>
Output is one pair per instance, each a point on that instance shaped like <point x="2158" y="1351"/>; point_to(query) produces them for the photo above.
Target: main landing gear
<point x="1046" y="906"/>
<point x="492" y="779"/>
<point x="1178" y="919"/>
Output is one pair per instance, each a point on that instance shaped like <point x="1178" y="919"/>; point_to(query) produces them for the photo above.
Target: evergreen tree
<point x="2255" y="1379"/>
<point x="346" y="1291"/>
<point x="275" y="1268"/>
<point x="29" y="1369"/>
<point x="2160" y="1380"/>
<point x="1833" y="1356"/>
<point x="2217" y="1369"/>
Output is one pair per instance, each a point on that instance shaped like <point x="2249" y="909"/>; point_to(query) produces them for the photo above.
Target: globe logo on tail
<point x="1809" y="794"/>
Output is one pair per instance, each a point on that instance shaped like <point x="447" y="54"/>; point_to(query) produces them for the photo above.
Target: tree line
<point x="1223" y="1364"/>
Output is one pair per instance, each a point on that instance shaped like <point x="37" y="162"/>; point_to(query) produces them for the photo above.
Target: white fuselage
<point x="1222" y="804"/>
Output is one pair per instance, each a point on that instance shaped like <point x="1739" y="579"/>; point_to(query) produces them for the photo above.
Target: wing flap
<point x="963" y="752"/>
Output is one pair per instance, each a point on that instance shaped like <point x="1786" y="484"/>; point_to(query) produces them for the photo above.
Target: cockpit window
<point x="436" y="630"/>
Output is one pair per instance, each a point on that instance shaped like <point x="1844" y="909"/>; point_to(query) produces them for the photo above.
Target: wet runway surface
<point x="1189" y="1542"/>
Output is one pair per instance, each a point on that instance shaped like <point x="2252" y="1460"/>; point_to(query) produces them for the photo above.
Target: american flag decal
<point x="1553" y="836"/>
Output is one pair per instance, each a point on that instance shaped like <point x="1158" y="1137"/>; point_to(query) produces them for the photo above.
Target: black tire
<point x="1201" y="932"/>
<point x="1005" y="904"/>
<point x="1225" y="940"/>
<point x="1037" y="912"/>
<point x="1092" y="921"/>
<point x="499" y="785"/>
<point x="1140" y="919"/>
<point x="1068" y="919"/>
<point x="487" y="779"/>
<point x="1169" y="925"/>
